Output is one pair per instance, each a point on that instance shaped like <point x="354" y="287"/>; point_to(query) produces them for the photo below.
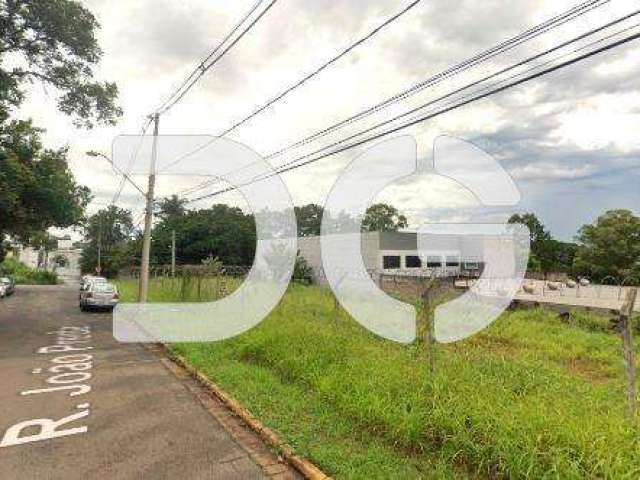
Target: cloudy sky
<point x="570" y="140"/>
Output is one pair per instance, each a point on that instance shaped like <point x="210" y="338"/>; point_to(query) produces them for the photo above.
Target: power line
<point x="200" y="186"/>
<point x="213" y="52"/>
<point x="489" y="77"/>
<point x="132" y="159"/>
<point x="423" y="118"/>
<point x="307" y="77"/>
<point x="492" y="52"/>
<point x="202" y="69"/>
<point x="502" y="47"/>
<point x="322" y="67"/>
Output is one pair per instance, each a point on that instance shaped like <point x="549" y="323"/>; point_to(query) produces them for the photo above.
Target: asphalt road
<point x="74" y="403"/>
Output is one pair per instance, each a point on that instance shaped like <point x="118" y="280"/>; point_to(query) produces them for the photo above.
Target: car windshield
<point x="5" y="280"/>
<point x="103" y="288"/>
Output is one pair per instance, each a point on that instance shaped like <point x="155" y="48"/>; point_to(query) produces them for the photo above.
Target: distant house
<point x="64" y="260"/>
<point x="396" y="253"/>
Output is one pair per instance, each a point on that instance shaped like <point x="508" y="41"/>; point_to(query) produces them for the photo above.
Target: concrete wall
<point x="28" y="256"/>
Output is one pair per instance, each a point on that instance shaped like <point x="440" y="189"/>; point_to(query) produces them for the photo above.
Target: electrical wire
<point x="132" y="160"/>
<point x="213" y="52"/>
<point x="308" y="77"/>
<point x="423" y="118"/>
<point x="482" y="80"/>
<point x="500" y="48"/>
<point x="322" y="67"/>
<point x="482" y="57"/>
<point x="179" y="95"/>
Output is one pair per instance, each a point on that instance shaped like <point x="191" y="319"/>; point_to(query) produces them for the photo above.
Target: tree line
<point x="220" y="231"/>
<point x="609" y="248"/>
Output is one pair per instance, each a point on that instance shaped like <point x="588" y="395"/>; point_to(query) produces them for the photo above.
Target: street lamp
<point x="93" y="153"/>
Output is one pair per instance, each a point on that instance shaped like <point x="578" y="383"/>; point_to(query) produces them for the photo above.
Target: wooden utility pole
<point x="427" y="322"/>
<point x="626" y="331"/>
<point x="173" y="253"/>
<point x="143" y="286"/>
<point x="99" y="267"/>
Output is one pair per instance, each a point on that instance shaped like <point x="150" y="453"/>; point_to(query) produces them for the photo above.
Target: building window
<point x="412" y="261"/>
<point x="434" y="261"/>
<point x="453" y="261"/>
<point x="390" y="261"/>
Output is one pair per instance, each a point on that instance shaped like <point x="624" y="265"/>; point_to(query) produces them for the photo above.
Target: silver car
<point x="99" y="296"/>
<point x="87" y="280"/>
<point x="9" y="284"/>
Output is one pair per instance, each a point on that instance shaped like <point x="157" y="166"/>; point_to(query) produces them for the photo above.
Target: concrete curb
<point x="302" y="465"/>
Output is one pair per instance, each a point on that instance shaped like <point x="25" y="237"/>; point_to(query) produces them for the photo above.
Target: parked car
<point x="9" y="283"/>
<point x="87" y="280"/>
<point x="99" y="296"/>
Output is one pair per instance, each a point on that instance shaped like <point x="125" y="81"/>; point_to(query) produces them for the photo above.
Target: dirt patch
<point x="589" y="369"/>
<point x="501" y="345"/>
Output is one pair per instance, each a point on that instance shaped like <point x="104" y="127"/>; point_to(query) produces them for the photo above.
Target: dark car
<point x="10" y="285"/>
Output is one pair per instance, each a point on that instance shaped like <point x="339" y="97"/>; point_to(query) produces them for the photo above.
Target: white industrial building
<point x="397" y="253"/>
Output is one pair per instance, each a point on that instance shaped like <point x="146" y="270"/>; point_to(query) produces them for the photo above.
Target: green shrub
<point x="302" y="272"/>
<point x="24" y="275"/>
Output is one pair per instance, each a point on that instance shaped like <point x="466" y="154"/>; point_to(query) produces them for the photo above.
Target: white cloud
<point x="547" y="171"/>
<point x="149" y="45"/>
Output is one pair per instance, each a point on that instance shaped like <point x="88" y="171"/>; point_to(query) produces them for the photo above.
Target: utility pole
<point x="143" y="286"/>
<point x="626" y="332"/>
<point x="99" y="267"/>
<point x="173" y="253"/>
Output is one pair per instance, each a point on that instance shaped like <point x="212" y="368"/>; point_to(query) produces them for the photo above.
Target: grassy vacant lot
<point x="530" y="397"/>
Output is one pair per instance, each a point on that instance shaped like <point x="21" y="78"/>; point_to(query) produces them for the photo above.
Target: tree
<point x="44" y="242"/>
<point x="220" y="231"/>
<point x="381" y="217"/>
<point x="543" y="250"/>
<point x="610" y="246"/>
<point x="112" y="230"/>
<point x="302" y="272"/>
<point x="309" y="219"/>
<point x="537" y="232"/>
<point x="54" y="42"/>
<point x="171" y="207"/>
<point x="37" y="189"/>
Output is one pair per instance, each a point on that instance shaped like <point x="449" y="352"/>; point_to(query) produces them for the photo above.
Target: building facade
<point x="396" y="253"/>
<point x="64" y="260"/>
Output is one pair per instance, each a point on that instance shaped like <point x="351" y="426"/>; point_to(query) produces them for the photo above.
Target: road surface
<point x="75" y="404"/>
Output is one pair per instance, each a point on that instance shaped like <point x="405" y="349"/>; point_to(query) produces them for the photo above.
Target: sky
<point x="569" y="140"/>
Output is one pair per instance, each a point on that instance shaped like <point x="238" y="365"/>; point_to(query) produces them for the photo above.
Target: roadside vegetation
<point x="24" y="275"/>
<point x="532" y="396"/>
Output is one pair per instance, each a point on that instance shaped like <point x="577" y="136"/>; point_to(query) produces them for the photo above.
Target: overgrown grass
<point x="530" y="397"/>
<point x="24" y="275"/>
